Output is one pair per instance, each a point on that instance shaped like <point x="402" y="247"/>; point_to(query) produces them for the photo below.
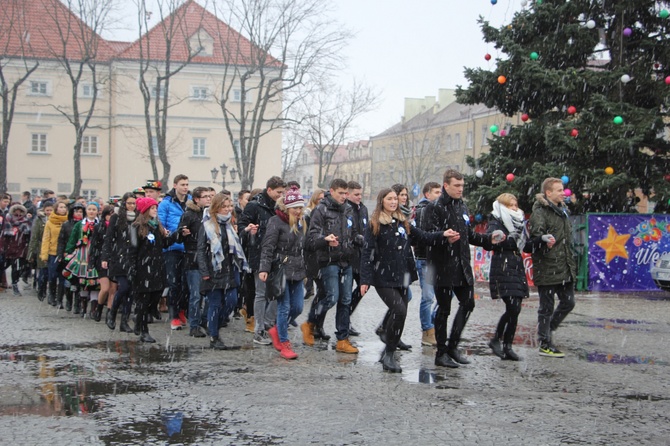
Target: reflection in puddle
<point x="612" y="324"/>
<point x="426" y="376"/>
<point x="610" y="358"/>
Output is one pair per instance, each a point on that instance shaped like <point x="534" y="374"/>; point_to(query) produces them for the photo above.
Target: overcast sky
<point x="408" y="48"/>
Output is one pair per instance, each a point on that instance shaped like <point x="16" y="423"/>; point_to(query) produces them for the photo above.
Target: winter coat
<point x="30" y="209"/>
<point x="420" y="250"/>
<point x="77" y="234"/>
<point x="117" y="247"/>
<point x="192" y="219"/>
<point x="258" y="211"/>
<point x="64" y="237"/>
<point x="556" y="265"/>
<point x="218" y="280"/>
<point x="148" y="266"/>
<point x="281" y="241"/>
<point x="170" y="211"/>
<point x="507" y="277"/>
<point x="387" y="260"/>
<point x="35" y="244"/>
<point x="360" y="212"/>
<point x="451" y="261"/>
<point x="97" y="242"/>
<point x="49" y="245"/>
<point x="15" y="235"/>
<point x="309" y="255"/>
<point x="330" y="217"/>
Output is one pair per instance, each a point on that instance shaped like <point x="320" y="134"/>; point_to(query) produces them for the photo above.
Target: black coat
<point x="97" y="242"/>
<point x="420" y="250"/>
<point x="451" y="261"/>
<point x="117" y="247"/>
<point x="258" y="211"/>
<point x="330" y="217"/>
<point x="387" y="259"/>
<point x="192" y="219"/>
<point x="280" y="241"/>
<point x="148" y="270"/>
<point x="64" y="237"/>
<point x="309" y="255"/>
<point x="507" y="277"/>
<point x="218" y="280"/>
<point x="360" y="212"/>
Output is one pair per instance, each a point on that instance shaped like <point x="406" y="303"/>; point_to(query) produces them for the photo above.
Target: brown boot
<point x="428" y="338"/>
<point x="344" y="346"/>
<point x="249" y="328"/>
<point x="307" y="333"/>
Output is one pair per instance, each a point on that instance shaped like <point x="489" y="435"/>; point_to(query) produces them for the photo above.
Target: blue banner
<point x="622" y="249"/>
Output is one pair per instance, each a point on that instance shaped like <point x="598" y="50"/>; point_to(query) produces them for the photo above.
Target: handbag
<point x="276" y="281"/>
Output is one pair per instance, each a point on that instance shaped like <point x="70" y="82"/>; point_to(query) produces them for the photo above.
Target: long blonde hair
<point x="314" y="199"/>
<point x="218" y="202"/>
<point x="294" y="223"/>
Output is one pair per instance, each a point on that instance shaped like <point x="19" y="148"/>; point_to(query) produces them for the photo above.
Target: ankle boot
<point x="510" y="355"/>
<point x="93" y="309"/>
<point x="110" y="320"/>
<point x="84" y="305"/>
<point x="216" y="343"/>
<point x="497" y="348"/>
<point x="98" y="312"/>
<point x="68" y="297"/>
<point x="319" y="333"/>
<point x="389" y="363"/>
<point x="77" y="302"/>
<point x="124" y="327"/>
<point x="52" y="294"/>
<point x="146" y="337"/>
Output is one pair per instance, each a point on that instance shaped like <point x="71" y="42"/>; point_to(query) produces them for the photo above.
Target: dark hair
<point x="6" y="197"/>
<point x="338" y="183"/>
<point x="241" y="193"/>
<point x="226" y="192"/>
<point x="354" y="185"/>
<point x="429" y="186"/>
<point x="275" y="182"/>
<point x="46" y="192"/>
<point x="106" y="210"/>
<point x="142" y="224"/>
<point x="122" y="221"/>
<point x="179" y="178"/>
<point x="211" y="189"/>
<point x="451" y="173"/>
<point x="293" y="183"/>
<point x="379" y="208"/>
<point x="255" y="192"/>
<point x="398" y="187"/>
<point x="26" y="193"/>
<point x="198" y="191"/>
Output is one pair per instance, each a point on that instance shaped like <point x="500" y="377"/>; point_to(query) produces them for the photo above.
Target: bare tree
<point x="281" y="45"/>
<point x="415" y="152"/>
<point x="328" y="120"/>
<point x="159" y="62"/>
<point x="292" y="143"/>
<point x="83" y="54"/>
<point x="15" y="69"/>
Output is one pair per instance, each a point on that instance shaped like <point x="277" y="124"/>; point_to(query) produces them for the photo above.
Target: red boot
<point x="274" y="335"/>
<point x="286" y="351"/>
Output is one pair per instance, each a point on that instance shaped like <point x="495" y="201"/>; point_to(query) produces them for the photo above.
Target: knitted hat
<point x="144" y="204"/>
<point x="153" y="184"/>
<point x="293" y="198"/>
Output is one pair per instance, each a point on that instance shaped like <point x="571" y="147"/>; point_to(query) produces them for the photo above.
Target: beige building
<point x="115" y="156"/>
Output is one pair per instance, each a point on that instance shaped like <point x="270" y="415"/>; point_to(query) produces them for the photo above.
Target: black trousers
<point x="548" y="318"/>
<point x="466" y="303"/>
<point x="356" y="295"/>
<point x="143" y="303"/>
<point x="394" y="320"/>
<point x="508" y="321"/>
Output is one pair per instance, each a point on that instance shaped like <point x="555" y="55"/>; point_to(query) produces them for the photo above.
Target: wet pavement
<point x="67" y="380"/>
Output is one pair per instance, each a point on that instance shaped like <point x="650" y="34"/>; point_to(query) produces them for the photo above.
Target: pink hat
<point x="293" y="198"/>
<point x="143" y="204"/>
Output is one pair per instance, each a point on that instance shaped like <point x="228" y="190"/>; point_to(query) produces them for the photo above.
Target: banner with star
<point x="622" y="249"/>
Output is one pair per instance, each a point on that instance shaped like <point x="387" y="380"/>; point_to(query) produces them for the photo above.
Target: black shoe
<point x="381" y="333"/>
<point x="138" y="328"/>
<point x="156" y="314"/>
<point x="510" y="355"/>
<point x="110" y="319"/>
<point x="52" y="299"/>
<point x="445" y="360"/>
<point x="77" y="302"/>
<point x="319" y="333"/>
<point x="353" y="331"/>
<point x="98" y="313"/>
<point x="146" y="337"/>
<point x="389" y="364"/>
<point x="456" y="356"/>
<point x="197" y="333"/>
<point x="68" y="298"/>
<point x="125" y="327"/>
<point x="294" y="324"/>
<point x="403" y="346"/>
<point x="497" y="348"/>
<point x="150" y="319"/>
<point x="217" y="344"/>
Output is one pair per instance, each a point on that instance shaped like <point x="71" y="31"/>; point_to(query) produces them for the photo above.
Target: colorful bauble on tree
<point x="609" y="170"/>
<point x="627" y="32"/>
<point x="479" y="174"/>
<point x="487" y="56"/>
<point x="625" y="78"/>
<point x="567" y="192"/>
<point x="502" y="79"/>
<point x="525" y="117"/>
<point x="493" y="128"/>
<point x="667" y="177"/>
<point x="618" y="120"/>
<point x="591" y="24"/>
<point x="509" y="177"/>
<point x="664" y="14"/>
<point x="667" y="80"/>
<point x="572" y="110"/>
<point x="574" y="133"/>
<point x="565" y="179"/>
<point x="534" y="56"/>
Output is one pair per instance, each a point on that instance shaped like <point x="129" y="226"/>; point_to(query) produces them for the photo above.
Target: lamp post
<point x="223" y="168"/>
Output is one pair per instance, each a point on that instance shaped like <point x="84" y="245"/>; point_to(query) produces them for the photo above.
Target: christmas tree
<point x="589" y="83"/>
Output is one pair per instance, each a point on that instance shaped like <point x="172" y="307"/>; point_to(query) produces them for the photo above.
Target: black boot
<point x="510" y="355"/>
<point x="98" y="312"/>
<point x="381" y="333"/>
<point x="125" y="327"/>
<point x="496" y="346"/>
<point x="444" y="360"/>
<point x="52" y="294"/>
<point x="84" y="305"/>
<point x="403" y="346"/>
<point x="110" y="320"/>
<point x="389" y="363"/>
<point x="68" y="297"/>
<point x="138" y="327"/>
<point x="319" y="333"/>
<point x="146" y="337"/>
<point x="217" y="344"/>
<point x="77" y="302"/>
<point x="353" y="331"/>
<point x="456" y="355"/>
<point x="93" y="310"/>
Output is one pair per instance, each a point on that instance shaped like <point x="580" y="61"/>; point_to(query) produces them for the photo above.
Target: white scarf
<point x="513" y="221"/>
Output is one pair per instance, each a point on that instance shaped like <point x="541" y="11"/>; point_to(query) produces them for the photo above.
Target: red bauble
<point x="667" y="80"/>
<point x="574" y="133"/>
<point x="510" y="177"/>
<point x="667" y="177"/>
<point x="525" y="117"/>
<point x="572" y="110"/>
<point x="487" y="56"/>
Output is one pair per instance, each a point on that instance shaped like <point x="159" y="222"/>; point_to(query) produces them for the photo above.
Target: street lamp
<point x="224" y="170"/>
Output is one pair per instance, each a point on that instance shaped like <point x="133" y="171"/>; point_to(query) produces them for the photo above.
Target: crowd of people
<point x="202" y="258"/>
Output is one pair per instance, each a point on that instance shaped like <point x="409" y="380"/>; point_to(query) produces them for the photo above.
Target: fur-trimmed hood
<point x="18" y="207"/>
<point x="542" y="201"/>
<point x="190" y="204"/>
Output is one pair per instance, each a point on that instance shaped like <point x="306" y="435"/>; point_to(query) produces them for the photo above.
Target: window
<point x="37" y="191"/>
<point x="448" y="143"/>
<point x="89" y="194"/>
<point x="89" y="145"/>
<point x="38" y="143"/>
<point x="436" y="145"/>
<point x="236" y="148"/>
<point x="87" y="90"/>
<point x="469" y="139"/>
<point x="154" y="146"/>
<point x="199" y="145"/>
<point x="391" y="152"/>
<point x="237" y="95"/>
<point x="154" y="92"/>
<point x="485" y="135"/>
<point x="39" y="88"/>
<point x="457" y="141"/>
<point x="64" y="188"/>
<point x="200" y="93"/>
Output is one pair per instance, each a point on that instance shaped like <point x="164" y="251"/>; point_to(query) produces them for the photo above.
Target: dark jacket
<point x="170" y="210"/>
<point x="330" y="217"/>
<point x="148" y="267"/>
<point x="97" y="242"/>
<point x="360" y="212"/>
<point x="556" y="265"/>
<point x="35" y="244"/>
<point x="309" y="255"/>
<point x="258" y="211"/>
<point x="451" y="261"/>
<point x="64" y="237"/>
<point x="192" y="219"/>
<point x="420" y="250"/>
<point x="218" y="280"/>
<point x="117" y="246"/>
<point x="30" y="209"/>
<point x="280" y="241"/>
<point x="387" y="260"/>
<point x="507" y="276"/>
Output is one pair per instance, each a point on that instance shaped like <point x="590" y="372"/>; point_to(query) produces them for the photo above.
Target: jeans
<point x="176" y="280"/>
<point x="466" y="303"/>
<point x="265" y="312"/>
<point x="427" y="296"/>
<point x="337" y="283"/>
<point x="217" y="309"/>
<point x="289" y="307"/>
<point x="549" y="319"/>
<point x="195" y="298"/>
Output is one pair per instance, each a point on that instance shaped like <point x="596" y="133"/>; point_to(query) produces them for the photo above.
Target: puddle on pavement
<point x="178" y="427"/>
<point x="612" y="324"/>
<point x="427" y="376"/>
<point x="610" y="358"/>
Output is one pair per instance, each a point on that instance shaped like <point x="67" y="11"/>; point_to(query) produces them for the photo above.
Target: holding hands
<point x="549" y="240"/>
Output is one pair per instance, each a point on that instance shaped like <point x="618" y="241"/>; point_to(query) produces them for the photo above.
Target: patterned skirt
<point x="77" y="268"/>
